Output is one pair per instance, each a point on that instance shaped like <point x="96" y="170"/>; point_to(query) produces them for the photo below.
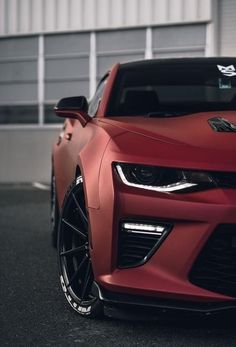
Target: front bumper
<point x="140" y="307"/>
<point x="194" y="217"/>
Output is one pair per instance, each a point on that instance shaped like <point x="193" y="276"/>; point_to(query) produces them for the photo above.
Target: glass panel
<point x="19" y="114"/>
<point x="18" y="47"/>
<point x="172" y="88"/>
<point x="66" y="44"/>
<point x="50" y="116"/>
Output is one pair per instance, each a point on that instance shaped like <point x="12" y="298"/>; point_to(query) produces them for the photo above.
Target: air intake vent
<point x="215" y="268"/>
<point x="138" y="241"/>
<point x="220" y="124"/>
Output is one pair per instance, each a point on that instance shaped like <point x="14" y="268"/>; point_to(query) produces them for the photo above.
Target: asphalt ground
<point x="33" y="311"/>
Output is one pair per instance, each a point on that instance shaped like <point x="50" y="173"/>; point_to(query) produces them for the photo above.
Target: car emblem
<point x="220" y="124"/>
<point x="228" y="71"/>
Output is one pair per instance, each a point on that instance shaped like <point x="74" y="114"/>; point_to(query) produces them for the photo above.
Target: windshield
<point x="172" y="89"/>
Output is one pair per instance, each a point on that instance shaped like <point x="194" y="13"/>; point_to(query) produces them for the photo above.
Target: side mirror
<point x="75" y="107"/>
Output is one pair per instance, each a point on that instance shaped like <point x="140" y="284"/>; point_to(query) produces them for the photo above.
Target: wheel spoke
<point x="74" y="228"/>
<point x="77" y="272"/>
<point x="81" y="212"/>
<point x="87" y="279"/>
<point x="73" y="251"/>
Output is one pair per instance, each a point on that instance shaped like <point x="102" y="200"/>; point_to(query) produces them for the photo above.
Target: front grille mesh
<point x="215" y="268"/>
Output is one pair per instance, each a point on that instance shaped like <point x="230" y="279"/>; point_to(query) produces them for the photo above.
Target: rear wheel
<point x="75" y="266"/>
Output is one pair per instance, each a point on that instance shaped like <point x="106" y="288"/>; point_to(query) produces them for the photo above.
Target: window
<point x="173" y="88"/>
<point x="94" y="104"/>
<point x="19" y="114"/>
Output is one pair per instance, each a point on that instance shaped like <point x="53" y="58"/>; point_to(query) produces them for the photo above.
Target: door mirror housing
<point x="75" y="107"/>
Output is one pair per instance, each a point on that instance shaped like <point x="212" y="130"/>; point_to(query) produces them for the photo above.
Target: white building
<point x="55" y="48"/>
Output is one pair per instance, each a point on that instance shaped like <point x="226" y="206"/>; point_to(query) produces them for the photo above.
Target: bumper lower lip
<point x="125" y="305"/>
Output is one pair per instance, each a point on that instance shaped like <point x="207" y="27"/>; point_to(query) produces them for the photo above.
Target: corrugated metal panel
<point x="66" y="65"/>
<point x="18" y="70"/>
<point x="227" y="13"/>
<point x="179" y="41"/>
<point x="122" y="46"/>
<point x="33" y="16"/>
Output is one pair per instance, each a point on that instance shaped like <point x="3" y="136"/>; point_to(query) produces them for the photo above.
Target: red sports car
<point x="144" y="189"/>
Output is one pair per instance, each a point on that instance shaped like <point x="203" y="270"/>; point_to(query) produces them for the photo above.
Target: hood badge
<point x="220" y="124"/>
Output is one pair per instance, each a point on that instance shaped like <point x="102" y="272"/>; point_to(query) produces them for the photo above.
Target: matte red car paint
<point x="164" y="142"/>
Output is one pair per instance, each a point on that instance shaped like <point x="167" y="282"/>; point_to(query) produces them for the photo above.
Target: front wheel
<point x="75" y="266"/>
<point x="54" y="210"/>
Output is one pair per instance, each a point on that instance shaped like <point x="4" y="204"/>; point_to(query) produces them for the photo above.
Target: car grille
<point x="225" y="179"/>
<point x="137" y="246"/>
<point x="215" y="268"/>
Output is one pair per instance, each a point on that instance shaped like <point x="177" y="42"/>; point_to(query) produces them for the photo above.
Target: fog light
<point x="139" y="240"/>
<point x="149" y="229"/>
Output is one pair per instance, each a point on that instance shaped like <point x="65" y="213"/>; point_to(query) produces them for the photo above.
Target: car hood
<point x="186" y="141"/>
<point x="191" y="130"/>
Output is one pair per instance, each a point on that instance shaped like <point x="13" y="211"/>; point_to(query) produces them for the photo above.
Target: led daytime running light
<point x="162" y="189"/>
<point x="145" y="227"/>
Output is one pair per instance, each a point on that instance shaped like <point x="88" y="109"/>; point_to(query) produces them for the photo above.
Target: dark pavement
<point x="33" y="311"/>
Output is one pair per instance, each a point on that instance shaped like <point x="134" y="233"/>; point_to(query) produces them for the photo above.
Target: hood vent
<point x="220" y="124"/>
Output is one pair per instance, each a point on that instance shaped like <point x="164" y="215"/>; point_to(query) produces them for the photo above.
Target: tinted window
<point x="169" y="89"/>
<point x="19" y="114"/>
<point x="93" y="106"/>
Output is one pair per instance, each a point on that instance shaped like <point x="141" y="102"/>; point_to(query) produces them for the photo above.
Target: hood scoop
<point x="220" y="124"/>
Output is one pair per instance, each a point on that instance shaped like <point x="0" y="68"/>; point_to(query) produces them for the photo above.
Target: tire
<point x="54" y="211"/>
<point x="75" y="265"/>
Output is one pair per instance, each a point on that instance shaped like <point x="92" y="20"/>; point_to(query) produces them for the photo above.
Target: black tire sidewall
<point x="54" y="210"/>
<point x="90" y="309"/>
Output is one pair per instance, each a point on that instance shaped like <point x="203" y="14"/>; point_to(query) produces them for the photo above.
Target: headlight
<point x="164" y="180"/>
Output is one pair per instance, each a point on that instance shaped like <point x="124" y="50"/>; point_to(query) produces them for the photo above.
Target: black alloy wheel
<point x="54" y="210"/>
<point x="75" y="266"/>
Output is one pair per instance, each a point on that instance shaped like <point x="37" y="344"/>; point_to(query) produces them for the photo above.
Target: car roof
<point x="149" y="63"/>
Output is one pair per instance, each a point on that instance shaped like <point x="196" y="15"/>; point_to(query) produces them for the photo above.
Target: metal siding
<point x="18" y="70"/>
<point x="63" y="20"/>
<point x="66" y="68"/>
<point x="22" y="92"/>
<point x="121" y="40"/>
<point x="37" y="15"/>
<point x="67" y="44"/>
<point x="117" y="18"/>
<point x="103" y="14"/>
<point x="2" y="16"/>
<point x="76" y="14"/>
<point x="55" y="90"/>
<point x="51" y="15"/>
<point x="33" y="16"/>
<point x="18" y="47"/>
<point x="23" y="13"/>
<point x="176" y="10"/>
<point x="122" y="46"/>
<point x="130" y="12"/>
<point x="227" y="22"/>
<point x="66" y="65"/>
<point x="177" y="41"/>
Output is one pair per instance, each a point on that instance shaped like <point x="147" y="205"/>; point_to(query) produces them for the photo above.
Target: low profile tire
<point x="54" y="211"/>
<point x="75" y="266"/>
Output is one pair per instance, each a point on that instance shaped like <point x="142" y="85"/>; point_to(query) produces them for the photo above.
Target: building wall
<point x="34" y="16"/>
<point x="227" y="27"/>
<point x="55" y="48"/>
<point x="36" y="71"/>
<point x="26" y="154"/>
